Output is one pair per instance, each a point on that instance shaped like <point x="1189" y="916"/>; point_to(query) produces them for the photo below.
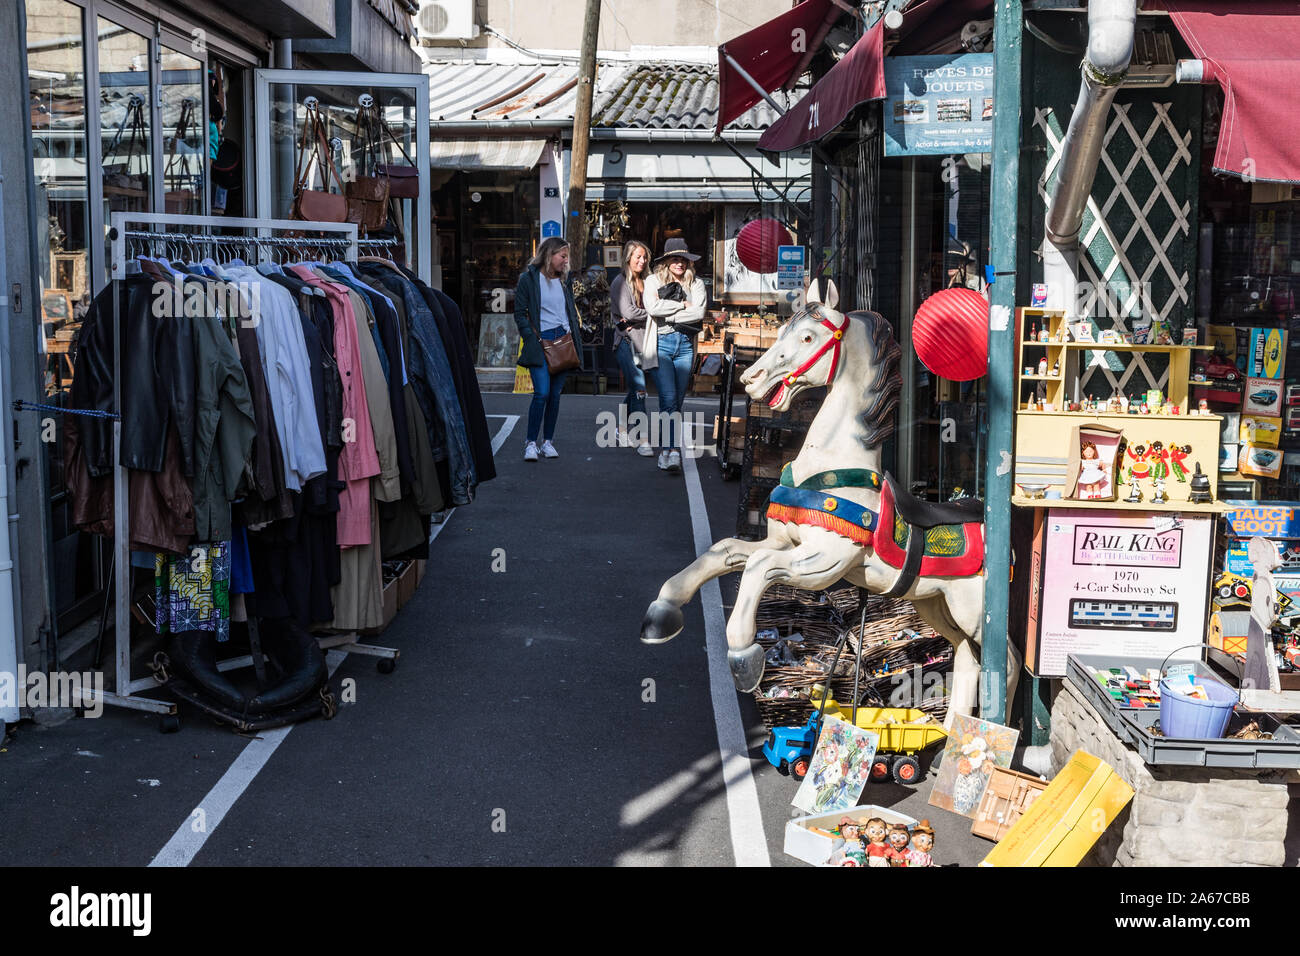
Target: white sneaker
<point x="530" y="451"/>
<point x="549" y="451"/>
<point x="674" y="460"/>
<point x="663" y="461"/>
<point x="644" y="450"/>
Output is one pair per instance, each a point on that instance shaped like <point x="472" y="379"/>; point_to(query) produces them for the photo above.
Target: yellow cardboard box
<point x="1061" y="826"/>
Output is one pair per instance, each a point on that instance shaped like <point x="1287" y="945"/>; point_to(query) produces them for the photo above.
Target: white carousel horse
<point x="835" y="517"/>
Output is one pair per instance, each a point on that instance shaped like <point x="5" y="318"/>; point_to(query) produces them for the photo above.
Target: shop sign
<point x="1274" y="519"/>
<point x="550" y="228"/>
<point x="791" y="264"/>
<point x="938" y="105"/>
<point x="1119" y="584"/>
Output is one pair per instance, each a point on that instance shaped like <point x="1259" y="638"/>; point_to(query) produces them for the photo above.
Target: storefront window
<point x="124" y="122"/>
<point x="56" y="77"/>
<point x="184" y="133"/>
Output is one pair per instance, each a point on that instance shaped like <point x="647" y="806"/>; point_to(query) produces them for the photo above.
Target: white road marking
<point x="748" y="839"/>
<point x="190" y="836"/>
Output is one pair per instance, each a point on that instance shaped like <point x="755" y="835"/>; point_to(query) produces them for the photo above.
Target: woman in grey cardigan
<point x="627" y="309"/>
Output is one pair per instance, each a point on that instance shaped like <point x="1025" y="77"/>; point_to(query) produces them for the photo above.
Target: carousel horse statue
<point x="835" y="516"/>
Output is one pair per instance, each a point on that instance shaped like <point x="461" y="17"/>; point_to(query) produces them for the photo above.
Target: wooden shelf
<point x="1214" y="507"/>
<point x="1041" y="378"/>
<point x="1131" y="347"/>
<point x="1124" y="416"/>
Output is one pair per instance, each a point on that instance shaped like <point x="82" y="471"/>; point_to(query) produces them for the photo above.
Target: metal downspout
<point x="1111" y="27"/>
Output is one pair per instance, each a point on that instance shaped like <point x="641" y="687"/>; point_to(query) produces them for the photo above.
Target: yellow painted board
<point x="1062" y="825"/>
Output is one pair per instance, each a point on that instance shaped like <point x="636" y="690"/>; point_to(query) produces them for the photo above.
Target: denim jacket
<point x="430" y="371"/>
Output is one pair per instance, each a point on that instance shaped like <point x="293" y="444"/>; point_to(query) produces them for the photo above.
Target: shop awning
<point x="857" y="78"/>
<point x="1250" y="50"/>
<point x="486" y="153"/>
<point x="770" y="56"/>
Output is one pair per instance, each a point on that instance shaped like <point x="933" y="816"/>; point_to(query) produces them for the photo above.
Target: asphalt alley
<point x="525" y="723"/>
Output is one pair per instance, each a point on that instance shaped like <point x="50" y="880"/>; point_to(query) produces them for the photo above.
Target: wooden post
<point x="576" y="232"/>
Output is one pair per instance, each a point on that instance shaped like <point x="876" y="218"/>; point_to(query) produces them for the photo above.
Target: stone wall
<point x="1179" y="816"/>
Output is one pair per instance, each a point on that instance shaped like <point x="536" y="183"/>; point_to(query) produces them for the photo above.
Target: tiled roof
<point x="676" y="96"/>
<point x="679" y="96"/>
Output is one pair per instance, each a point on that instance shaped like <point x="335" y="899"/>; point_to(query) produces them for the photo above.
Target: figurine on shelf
<point x="1138" y="468"/>
<point x="1159" y="458"/>
<point x="1177" y="456"/>
<point x="1091" y="474"/>
<point x="922" y="844"/>
<point x="1203" y="406"/>
<point x="1146" y="409"/>
<point x="1123" y="404"/>
<point x="898" y="840"/>
<point x="877" y="837"/>
<point x="1042" y="366"/>
<point x="1158" y="496"/>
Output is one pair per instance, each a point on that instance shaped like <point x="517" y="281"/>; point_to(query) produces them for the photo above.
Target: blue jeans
<point x="676" y="356"/>
<point x="547" y="389"/>
<point x="634" y="375"/>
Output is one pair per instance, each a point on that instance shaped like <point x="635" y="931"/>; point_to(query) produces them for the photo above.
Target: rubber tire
<point x="169" y="723"/>
<point x="907" y="771"/>
<point x="878" y="775"/>
<point x="386" y="665"/>
<point x="805" y="763"/>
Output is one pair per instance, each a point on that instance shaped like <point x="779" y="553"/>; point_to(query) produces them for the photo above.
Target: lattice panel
<point x="1135" y="229"/>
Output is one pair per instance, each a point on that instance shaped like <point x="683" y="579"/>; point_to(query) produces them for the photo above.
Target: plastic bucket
<point x="1189" y="718"/>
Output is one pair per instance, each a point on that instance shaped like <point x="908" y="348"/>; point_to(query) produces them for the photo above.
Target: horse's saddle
<point x="915" y="536"/>
<point x="929" y="538"/>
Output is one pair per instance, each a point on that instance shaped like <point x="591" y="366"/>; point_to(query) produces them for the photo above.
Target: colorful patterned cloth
<point x="193" y="590"/>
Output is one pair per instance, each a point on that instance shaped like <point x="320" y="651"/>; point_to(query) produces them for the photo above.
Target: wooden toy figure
<point x="1177" y="457"/>
<point x="922" y="844"/>
<point x="877" y="837"/>
<point x="898" y="839"/>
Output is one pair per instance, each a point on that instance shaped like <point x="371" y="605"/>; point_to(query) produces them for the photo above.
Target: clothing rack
<point x="265" y="236"/>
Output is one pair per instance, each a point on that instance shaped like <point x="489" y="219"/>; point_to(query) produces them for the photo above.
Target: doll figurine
<point x="898" y="840"/>
<point x="1177" y="456"/>
<point x="877" y="837"/>
<point x="851" y="852"/>
<point x="1091" y="475"/>
<point x="1159" y="458"/>
<point x="922" y="844"/>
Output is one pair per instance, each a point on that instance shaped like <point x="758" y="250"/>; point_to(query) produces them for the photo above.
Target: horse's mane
<point x="882" y="392"/>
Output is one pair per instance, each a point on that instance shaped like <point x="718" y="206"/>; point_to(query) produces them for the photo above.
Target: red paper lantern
<point x="951" y="334"/>
<point x="757" y="243"/>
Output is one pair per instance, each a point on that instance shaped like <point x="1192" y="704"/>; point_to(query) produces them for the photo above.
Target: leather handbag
<point x="403" y="181"/>
<point x="561" y="355"/>
<point x="367" y="194"/>
<point x="316" y="205"/>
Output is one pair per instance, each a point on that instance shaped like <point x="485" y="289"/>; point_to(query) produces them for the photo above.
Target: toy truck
<point x="904" y="732"/>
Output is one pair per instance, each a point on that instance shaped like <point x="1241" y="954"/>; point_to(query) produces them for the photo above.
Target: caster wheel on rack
<point x="169" y="723"/>
<point x="385" y="665"/>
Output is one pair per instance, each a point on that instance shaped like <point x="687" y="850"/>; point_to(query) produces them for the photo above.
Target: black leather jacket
<point x="157" y="361"/>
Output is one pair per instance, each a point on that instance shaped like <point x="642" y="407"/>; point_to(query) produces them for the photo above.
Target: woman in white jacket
<point x="675" y="298"/>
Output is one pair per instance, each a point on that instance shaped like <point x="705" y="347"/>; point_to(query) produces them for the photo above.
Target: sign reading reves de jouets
<point x="939" y="104"/>
<point x="1121" y="584"/>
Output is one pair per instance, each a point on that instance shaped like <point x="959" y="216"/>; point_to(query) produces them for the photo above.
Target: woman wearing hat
<point x="675" y="298"/>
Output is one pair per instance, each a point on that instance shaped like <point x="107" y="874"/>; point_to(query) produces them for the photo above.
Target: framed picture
<point x="498" y="340"/>
<point x="839" y="769"/>
<point x="613" y="257"/>
<point x="733" y="283"/>
<point x="973" y="749"/>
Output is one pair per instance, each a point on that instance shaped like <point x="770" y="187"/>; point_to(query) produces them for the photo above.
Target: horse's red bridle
<point x="834" y="342"/>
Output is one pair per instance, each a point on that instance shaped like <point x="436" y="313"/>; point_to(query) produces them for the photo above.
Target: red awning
<point x="1250" y="50"/>
<point x="858" y="77"/>
<point x="775" y="55"/>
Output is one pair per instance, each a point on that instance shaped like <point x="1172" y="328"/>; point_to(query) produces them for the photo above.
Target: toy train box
<point x="1126" y="584"/>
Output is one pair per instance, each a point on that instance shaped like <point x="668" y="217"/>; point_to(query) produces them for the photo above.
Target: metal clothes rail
<point x="266" y="236"/>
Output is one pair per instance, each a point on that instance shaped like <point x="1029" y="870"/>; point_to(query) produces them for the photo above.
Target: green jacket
<point x="528" y="317"/>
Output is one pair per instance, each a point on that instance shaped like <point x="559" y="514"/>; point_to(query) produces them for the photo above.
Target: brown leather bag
<point x="316" y="205"/>
<point x="368" y="202"/>
<point x="561" y="355"/>
<point x="403" y="181"/>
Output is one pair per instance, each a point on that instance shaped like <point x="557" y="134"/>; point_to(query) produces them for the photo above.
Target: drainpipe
<point x="1111" y="27"/>
<point x="8" y="632"/>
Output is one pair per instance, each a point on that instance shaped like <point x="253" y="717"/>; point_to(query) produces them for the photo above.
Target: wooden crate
<point x="1006" y="798"/>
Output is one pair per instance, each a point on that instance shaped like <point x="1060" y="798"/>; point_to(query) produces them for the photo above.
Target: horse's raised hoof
<point x="662" y="622"/>
<point x="746" y="667"/>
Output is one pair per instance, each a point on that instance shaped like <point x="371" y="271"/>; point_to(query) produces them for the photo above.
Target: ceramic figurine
<point x="851" y="853"/>
<point x="877" y="837"/>
<point x="898" y="840"/>
<point x="1159" y="496"/>
<point x="1203" y="406"/>
<point x="922" y="844"/>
